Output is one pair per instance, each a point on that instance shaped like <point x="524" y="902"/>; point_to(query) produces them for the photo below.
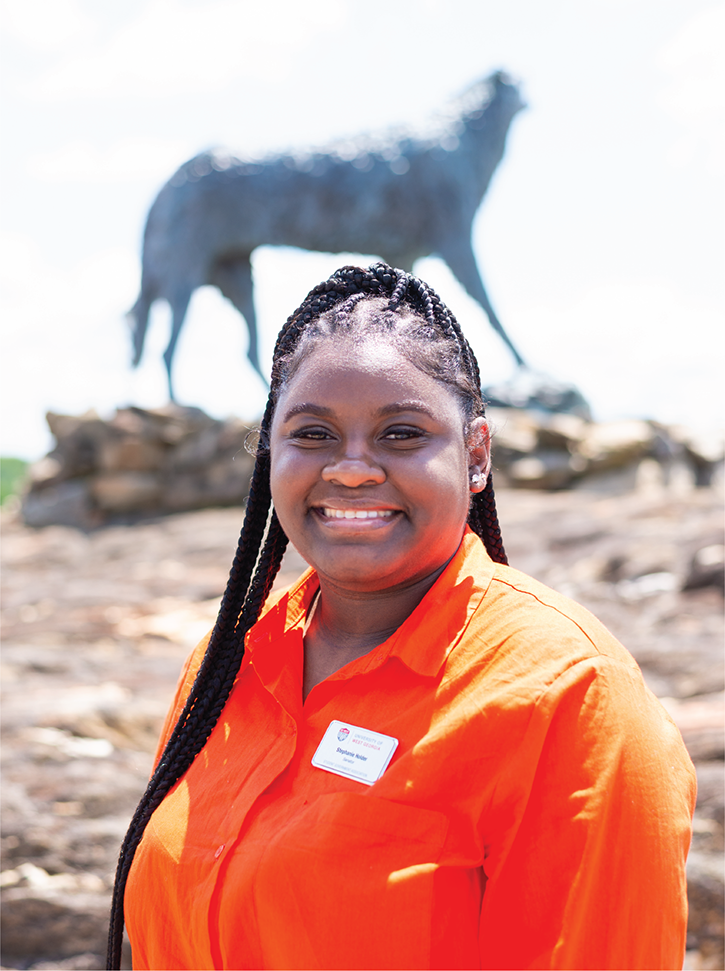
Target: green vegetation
<point x="12" y="474"/>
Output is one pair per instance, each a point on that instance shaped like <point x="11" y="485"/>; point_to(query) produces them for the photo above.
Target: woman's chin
<point x="356" y="575"/>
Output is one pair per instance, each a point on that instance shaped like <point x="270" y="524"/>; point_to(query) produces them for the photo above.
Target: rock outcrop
<point x="137" y="464"/>
<point x="538" y="450"/>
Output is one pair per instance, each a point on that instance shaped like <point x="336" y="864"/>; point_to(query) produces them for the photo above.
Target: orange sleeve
<point x="596" y="869"/>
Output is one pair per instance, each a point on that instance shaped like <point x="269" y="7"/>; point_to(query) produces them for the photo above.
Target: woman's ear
<point x="479" y="454"/>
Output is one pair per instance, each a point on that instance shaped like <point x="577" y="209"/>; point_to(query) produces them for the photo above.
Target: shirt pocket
<point x="348" y="883"/>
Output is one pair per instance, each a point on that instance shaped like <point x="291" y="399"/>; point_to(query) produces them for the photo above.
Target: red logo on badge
<point x="342" y="734"/>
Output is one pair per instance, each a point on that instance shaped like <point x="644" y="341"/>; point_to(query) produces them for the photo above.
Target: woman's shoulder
<point x="527" y="624"/>
<point x="528" y="647"/>
<point x="534" y="602"/>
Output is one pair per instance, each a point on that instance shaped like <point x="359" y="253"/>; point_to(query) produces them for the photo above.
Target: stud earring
<point x="476" y="479"/>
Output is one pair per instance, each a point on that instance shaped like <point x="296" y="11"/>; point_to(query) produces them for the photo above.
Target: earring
<point x="476" y="479"/>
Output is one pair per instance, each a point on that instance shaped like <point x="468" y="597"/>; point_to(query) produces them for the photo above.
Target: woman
<point x="416" y="757"/>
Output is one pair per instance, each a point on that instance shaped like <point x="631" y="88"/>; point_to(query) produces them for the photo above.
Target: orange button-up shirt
<point x="535" y="814"/>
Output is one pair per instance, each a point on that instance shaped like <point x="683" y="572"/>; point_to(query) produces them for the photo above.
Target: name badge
<point x="356" y="753"/>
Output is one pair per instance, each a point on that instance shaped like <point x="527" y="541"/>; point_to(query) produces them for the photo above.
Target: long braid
<point x="270" y="561"/>
<point x="209" y="693"/>
<point x="248" y="588"/>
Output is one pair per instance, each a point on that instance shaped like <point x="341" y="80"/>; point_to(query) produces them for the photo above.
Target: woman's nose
<point x="353" y="472"/>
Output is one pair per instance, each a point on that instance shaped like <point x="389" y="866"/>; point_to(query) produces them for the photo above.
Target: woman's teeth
<point x="358" y="513"/>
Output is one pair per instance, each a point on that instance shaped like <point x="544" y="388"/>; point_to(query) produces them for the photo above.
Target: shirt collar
<point x="424" y="639"/>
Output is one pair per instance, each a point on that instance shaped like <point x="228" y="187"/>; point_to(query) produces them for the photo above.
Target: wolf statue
<point x="398" y="196"/>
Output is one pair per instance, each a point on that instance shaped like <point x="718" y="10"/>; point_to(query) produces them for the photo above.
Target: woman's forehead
<point x="376" y="352"/>
<point x="347" y="359"/>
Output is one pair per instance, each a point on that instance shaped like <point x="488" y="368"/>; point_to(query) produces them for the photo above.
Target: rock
<point x="46" y="471"/>
<point x="82" y="437"/>
<point x="138" y="463"/>
<point x="647" y="585"/>
<point x="611" y="445"/>
<point x="62" y="503"/>
<point x="711" y="790"/>
<point x="87" y="961"/>
<point x="131" y="454"/>
<point x="562" y="432"/>
<point x="544" y="470"/>
<point x="707" y="569"/>
<point x="514" y="433"/>
<point x="701" y="721"/>
<point x="705" y="450"/>
<point x="705" y="886"/>
<point x="532" y="391"/>
<point x="536" y="451"/>
<point x="198" y="451"/>
<point x="126" y="491"/>
<point x="52" y="923"/>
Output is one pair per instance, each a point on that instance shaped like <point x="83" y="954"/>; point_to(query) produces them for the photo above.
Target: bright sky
<point x="600" y="240"/>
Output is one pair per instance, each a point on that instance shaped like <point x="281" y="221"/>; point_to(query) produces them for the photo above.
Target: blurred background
<point x="600" y="240"/>
<point x="601" y="244"/>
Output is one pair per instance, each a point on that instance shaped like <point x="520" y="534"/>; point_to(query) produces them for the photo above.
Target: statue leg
<point x="234" y="279"/>
<point x="138" y="319"/>
<point x="458" y="254"/>
<point x="179" y="306"/>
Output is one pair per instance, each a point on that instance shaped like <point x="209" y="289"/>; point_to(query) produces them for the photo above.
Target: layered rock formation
<point x="138" y="463"/>
<point x="538" y="450"/>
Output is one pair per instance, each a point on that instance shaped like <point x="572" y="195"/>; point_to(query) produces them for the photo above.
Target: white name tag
<point x="356" y="753"/>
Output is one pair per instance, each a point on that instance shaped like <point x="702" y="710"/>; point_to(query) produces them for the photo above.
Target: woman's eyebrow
<point x="398" y="406"/>
<point x="307" y="408"/>
<point x="395" y="408"/>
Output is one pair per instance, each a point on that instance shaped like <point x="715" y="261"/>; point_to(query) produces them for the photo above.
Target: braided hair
<point x="379" y="300"/>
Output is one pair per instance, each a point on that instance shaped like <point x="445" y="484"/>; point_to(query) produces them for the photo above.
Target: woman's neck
<point x="347" y="624"/>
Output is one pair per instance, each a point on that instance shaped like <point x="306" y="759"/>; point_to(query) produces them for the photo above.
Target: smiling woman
<point x="416" y="757"/>
<point x="371" y="471"/>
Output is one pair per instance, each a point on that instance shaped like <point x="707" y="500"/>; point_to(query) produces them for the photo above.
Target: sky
<point x="600" y="238"/>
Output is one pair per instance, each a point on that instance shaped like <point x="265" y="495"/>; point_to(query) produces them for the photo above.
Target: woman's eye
<point x="403" y="433"/>
<point x="310" y="434"/>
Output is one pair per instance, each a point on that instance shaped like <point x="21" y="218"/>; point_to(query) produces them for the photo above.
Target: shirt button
<point x="218" y="851"/>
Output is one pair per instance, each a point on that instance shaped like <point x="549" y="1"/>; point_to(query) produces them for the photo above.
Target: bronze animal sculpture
<point x="399" y="198"/>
